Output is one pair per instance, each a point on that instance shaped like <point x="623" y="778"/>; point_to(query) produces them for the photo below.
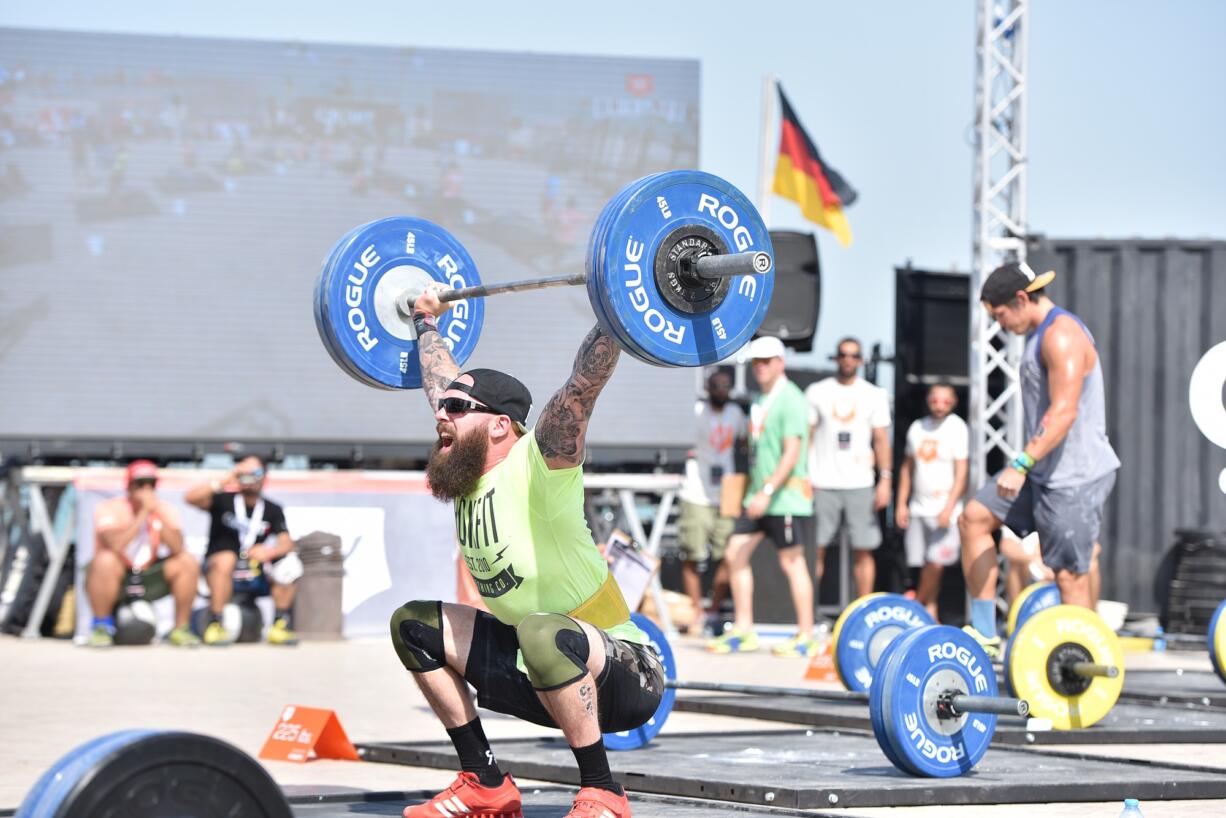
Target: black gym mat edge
<point x="854" y="716"/>
<point x="874" y="793"/>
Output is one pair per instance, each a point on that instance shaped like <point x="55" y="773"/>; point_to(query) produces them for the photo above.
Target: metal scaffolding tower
<point x="995" y="409"/>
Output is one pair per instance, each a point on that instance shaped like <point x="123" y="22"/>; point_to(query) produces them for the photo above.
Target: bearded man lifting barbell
<point x="559" y="648"/>
<point x="677" y="275"/>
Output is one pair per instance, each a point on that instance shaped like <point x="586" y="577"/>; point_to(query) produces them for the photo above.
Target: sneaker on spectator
<point x="468" y="798"/>
<point x="991" y="646"/>
<point x="183" y="638"/>
<point x="280" y="633"/>
<point x="215" y="634"/>
<point x="101" y="637"/>
<point x="796" y="646"/>
<point x="734" y="642"/>
<point x="593" y="802"/>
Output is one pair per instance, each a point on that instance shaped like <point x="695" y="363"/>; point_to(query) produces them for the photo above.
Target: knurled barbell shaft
<point x="960" y="702"/>
<point x="714" y="266"/>
<point x="1092" y="669"/>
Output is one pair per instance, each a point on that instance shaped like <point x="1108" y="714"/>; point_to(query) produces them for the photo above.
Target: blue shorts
<point x="1067" y="519"/>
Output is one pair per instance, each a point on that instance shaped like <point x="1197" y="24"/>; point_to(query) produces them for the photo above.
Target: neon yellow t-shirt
<point x="525" y="540"/>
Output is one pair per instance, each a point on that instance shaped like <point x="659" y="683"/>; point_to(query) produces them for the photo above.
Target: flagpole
<point x="765" y="173"/>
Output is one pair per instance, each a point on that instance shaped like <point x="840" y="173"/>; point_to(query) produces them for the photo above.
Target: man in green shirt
<point x="778" y="504"/>
<point x="557" y="647"/>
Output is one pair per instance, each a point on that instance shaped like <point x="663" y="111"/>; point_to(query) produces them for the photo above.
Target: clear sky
<point x="1127" y="103"/>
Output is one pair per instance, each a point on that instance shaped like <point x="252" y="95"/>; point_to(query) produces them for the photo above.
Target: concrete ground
<point x="55" y="696"/>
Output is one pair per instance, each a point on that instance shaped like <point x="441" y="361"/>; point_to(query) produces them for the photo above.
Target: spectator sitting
<point x="249" y="545"/>
<point x="138" y="554"/>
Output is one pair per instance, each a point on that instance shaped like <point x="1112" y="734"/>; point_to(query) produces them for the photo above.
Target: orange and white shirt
<point x="715" y="430"/>
<point x="934" y="447"/>
<point x="845" y="415"/>
<point x="144" y="549"/>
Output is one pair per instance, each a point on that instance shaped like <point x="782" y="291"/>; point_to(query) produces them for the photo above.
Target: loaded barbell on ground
<point x="933" y="702"/>
<point x="677" y="272"/>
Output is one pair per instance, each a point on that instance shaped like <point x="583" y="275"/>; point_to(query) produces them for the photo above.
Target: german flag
<point x="802" y="176"/>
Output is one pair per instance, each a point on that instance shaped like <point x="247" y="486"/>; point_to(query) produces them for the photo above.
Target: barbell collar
<point x="1000" y="705"/>
<point x="1090" y="669"/>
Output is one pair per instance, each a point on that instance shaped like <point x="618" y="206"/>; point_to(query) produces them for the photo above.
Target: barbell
<point x="933" y="702"/>
<point x="678" y="272"/>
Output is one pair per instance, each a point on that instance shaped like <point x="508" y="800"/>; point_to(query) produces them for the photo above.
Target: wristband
<point x="768" y="489"/>
<point x="1023" y="463"/>
<point x="424" y="322"/>
<point x="886" y="473"/>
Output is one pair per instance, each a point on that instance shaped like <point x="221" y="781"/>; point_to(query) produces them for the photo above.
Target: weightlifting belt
<point x="606" y="608"/>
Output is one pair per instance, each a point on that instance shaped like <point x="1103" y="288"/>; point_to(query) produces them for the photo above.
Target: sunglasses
<point x="855" y="356"/>
<point x="459" y="406"/>
<point x="250" y="476"/>
<point x="143" y="482"/>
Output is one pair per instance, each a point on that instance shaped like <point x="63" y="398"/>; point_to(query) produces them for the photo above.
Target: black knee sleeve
<point x="555" y="650"/>
<point x="417" y="635"/>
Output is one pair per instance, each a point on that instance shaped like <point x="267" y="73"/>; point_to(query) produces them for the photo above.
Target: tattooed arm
<point x="562" y="427"/>
<point x="438" y="368"/>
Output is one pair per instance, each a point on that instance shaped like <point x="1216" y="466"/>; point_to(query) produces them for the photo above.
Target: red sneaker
<point x="592" y="802"/>
<point x="467" y="798"/>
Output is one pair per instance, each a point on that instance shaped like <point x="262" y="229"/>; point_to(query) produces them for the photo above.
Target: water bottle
<point x="1132" y="809"/>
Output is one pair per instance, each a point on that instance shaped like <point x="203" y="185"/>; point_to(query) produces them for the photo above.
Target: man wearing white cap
<point x="778" y="505"/>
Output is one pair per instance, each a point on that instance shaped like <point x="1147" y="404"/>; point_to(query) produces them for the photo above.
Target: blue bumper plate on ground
<point x="639" y="736"/>
<point x="655" y="216"/>
<point x="356" y="299"/>
<point x="928" y="663"/>
<point x="865" y="632"/>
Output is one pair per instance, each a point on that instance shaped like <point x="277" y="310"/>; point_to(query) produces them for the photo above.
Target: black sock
<point x="214" y="617"/>
<point x="594" y="767"/>
<point x="287" y="615"/>
<point x="473" y="748"/>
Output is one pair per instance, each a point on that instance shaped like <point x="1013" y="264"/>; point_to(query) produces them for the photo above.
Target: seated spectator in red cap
<point x="138" y="554"/>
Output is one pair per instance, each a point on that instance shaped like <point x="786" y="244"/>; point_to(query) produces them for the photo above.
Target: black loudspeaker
<point x="797" y="297"/>
<point x="931" y="332"/>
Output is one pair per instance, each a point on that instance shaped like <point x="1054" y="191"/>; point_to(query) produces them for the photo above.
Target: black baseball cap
<point x="1008" y="279"/>
<point x="499" y="391"/>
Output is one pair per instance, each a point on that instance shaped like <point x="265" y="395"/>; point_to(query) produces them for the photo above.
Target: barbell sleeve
<point x="1092" y="669"/>
<point x="755" y="262"/>
<point x="1000" y="705"/>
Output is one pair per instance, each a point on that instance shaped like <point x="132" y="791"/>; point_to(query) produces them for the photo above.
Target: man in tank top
<point x="1058" y="484"/>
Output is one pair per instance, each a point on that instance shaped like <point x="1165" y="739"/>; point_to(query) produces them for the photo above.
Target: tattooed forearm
<point x="438" y="368"/>
<point x="563" y="423"/>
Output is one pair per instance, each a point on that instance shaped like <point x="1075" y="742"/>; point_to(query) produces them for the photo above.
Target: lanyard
<point x="248" y="527"/>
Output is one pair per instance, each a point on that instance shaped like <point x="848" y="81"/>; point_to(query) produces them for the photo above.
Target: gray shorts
<point x="926" y="543"/>
<point x="1067" y="519"/>
<point x="856" y="505"/>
